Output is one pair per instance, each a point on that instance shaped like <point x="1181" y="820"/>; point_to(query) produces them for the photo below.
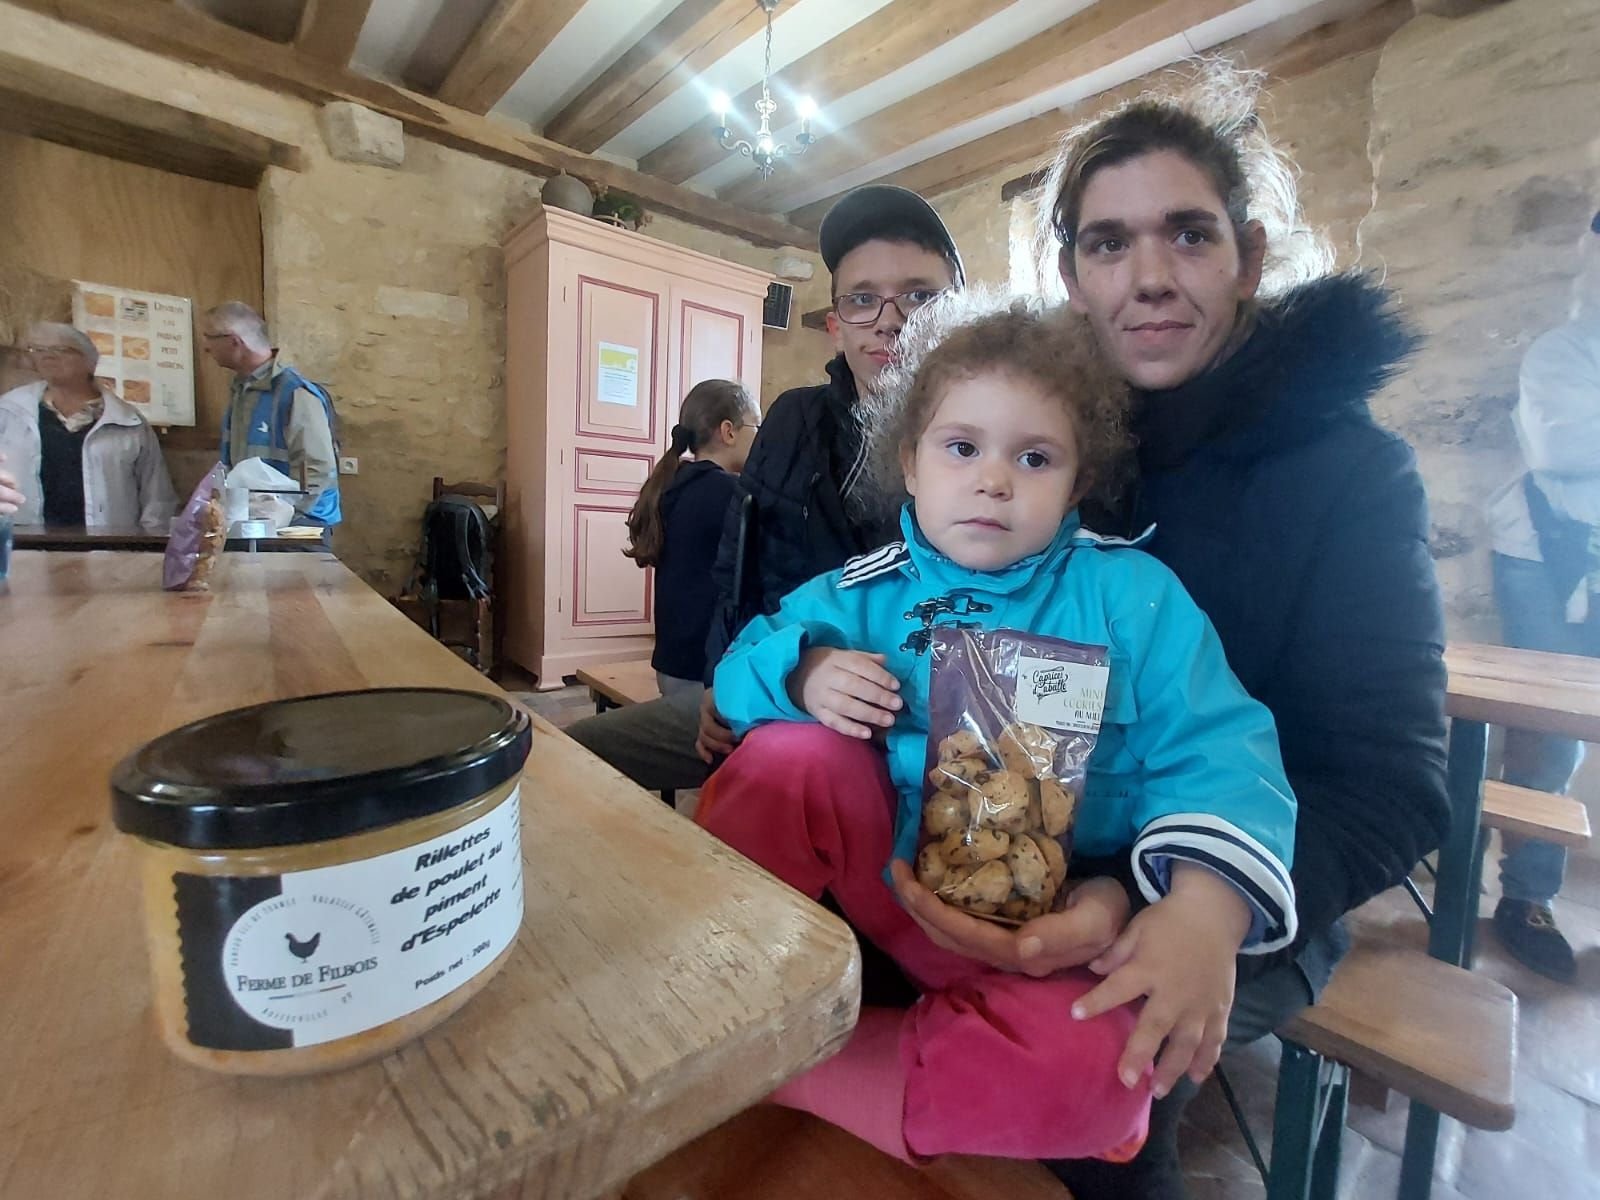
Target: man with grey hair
<point x="75" y="451"/>
<point x="274" y="412"/>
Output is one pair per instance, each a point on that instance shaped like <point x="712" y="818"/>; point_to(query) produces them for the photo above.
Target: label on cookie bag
<point x="1061" y="695"/>
<point x="278" y="961"/>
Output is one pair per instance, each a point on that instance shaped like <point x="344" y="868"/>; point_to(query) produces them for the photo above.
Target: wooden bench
<point x="1527" y="813"/>
<point x="1433" y="1032"/>
<point x="619" y="684"/>
<point x="771" y="1153"/>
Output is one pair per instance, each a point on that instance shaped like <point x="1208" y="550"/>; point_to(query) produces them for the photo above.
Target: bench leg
<point x="1294" y="1123"/>
<point x="669" y="797"/>
<point x="1422" y="1145"/>
<point x="1330" y="1143"/>
<point x="1455" y="896"/>
<point x="601" y="704"/>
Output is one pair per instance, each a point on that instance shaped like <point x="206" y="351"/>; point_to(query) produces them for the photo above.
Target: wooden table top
<point x="660" y="983"/>
<point x="125" y="537"/>
<point x="1525" y="689"/>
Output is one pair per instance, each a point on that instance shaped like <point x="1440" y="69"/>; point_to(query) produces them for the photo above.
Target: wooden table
<point x="661" y="982"/>
<point x="134" y="537"/>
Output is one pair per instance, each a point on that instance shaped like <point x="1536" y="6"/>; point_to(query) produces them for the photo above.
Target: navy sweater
<point x="692" y="511"/>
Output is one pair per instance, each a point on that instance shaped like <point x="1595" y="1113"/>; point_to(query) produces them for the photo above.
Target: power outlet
<point x="349" y="466"/>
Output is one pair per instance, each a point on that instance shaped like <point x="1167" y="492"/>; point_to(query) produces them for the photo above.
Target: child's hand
<point x="1094" y="915"/>
<point x="1178" y="953"/>
<point x="847" y="690"/>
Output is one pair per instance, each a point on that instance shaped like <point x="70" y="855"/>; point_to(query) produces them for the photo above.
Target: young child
<point x="998" y="431"/>
<point x="677" y="520"/>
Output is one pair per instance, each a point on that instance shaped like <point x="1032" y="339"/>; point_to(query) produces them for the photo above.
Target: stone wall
<point x="1483" y="139"/>
<point x="388" y="286"/>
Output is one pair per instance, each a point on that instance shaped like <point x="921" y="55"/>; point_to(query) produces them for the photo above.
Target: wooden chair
<point x="472" y="625"/>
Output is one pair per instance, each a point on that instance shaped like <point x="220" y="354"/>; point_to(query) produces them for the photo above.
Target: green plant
<point x="621" y="206"/>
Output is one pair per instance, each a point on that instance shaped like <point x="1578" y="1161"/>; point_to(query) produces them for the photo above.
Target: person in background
<point x="675" y="524"/>
<point x="888" y="253"/>
<point x="78" y="453"/>
<point x="275" y="413"/>
<point x="1545" y="534"/>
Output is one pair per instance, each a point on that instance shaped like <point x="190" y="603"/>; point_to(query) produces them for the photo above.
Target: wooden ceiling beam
<point x="893" y="37"/>
<point x="167" y="29"/>
<point x="502" y="48"/>
<point x="1033" y="142"/>
<point x="57" y="106"/>
<point x="329" y="29"/>
<point x="688" y="40"/>
<point x="1090" y="39"/>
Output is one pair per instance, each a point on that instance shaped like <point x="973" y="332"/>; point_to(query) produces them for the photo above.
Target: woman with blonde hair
<point x="76" y="451"/>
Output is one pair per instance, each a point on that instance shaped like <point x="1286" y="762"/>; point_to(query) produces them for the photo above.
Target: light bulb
<point x="720" y="104"/>
<point x="764" y="144"/>
<point x="807" y="108"/>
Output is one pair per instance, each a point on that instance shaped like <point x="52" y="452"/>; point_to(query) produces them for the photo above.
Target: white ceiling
<point x="414" y="41"/>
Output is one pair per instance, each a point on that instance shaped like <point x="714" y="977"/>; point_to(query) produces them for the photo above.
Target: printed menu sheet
<point x="146" y="344"/>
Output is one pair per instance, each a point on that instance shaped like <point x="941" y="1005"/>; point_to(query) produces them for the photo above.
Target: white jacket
<point x="1557" y="420"/>
<point x="125" y="479"/>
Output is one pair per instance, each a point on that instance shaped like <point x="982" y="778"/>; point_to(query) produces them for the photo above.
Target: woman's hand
<point x="1178" y="954"/>
<point x="849" y="691"/>
<point x="1096" y="912"/>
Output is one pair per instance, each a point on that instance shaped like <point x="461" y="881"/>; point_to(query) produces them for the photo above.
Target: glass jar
<point x="326" y="878"/>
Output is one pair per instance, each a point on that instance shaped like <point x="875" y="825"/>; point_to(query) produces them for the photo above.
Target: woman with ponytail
<point x="676" y="523"/>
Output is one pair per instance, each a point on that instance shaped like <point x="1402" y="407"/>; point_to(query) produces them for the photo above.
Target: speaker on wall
<point x="775" y="311"/>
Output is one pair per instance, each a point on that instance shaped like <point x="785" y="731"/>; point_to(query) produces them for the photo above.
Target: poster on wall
<point x="619" y="375"/>
<point x="146" y="344"/>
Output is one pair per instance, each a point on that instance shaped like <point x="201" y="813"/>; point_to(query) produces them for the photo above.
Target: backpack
<point x="454" y="561"/>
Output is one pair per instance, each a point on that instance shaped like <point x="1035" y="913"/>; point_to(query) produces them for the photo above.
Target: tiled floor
<point x="1553" y="1153"/>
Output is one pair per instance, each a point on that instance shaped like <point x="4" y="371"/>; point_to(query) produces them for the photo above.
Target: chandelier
<point x="766" y="150"/>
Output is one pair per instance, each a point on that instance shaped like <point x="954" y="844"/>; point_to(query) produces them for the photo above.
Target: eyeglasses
<point x="46" y="351"/>
<point x="864" y="308"/>
<point x="215" y="337"/>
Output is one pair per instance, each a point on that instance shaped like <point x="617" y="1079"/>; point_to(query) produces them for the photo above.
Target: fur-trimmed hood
<point x="1316" y="358"/>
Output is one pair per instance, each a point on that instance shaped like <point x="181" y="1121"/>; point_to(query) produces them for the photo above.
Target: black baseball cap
<point x="887" y="212"/>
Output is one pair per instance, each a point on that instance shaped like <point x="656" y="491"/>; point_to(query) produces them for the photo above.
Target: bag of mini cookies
<point x="1012" y="720"/>
<point x="197" y="536"/>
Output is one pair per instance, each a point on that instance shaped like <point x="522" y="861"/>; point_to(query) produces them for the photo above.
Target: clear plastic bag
<point x="197" y="536"/>
<point x="1012" y="720"/>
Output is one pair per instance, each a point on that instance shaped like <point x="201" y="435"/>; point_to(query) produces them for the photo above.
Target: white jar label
<point x="278" y="961"/>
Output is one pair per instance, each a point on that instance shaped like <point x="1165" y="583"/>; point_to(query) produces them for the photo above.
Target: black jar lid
<point x="318" y="767"/>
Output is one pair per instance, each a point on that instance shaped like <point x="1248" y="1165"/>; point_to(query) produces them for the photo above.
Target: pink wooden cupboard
<point x="605" y="332"/>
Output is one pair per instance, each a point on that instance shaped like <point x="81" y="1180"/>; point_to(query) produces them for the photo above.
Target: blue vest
<point x="269" y="437"/>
